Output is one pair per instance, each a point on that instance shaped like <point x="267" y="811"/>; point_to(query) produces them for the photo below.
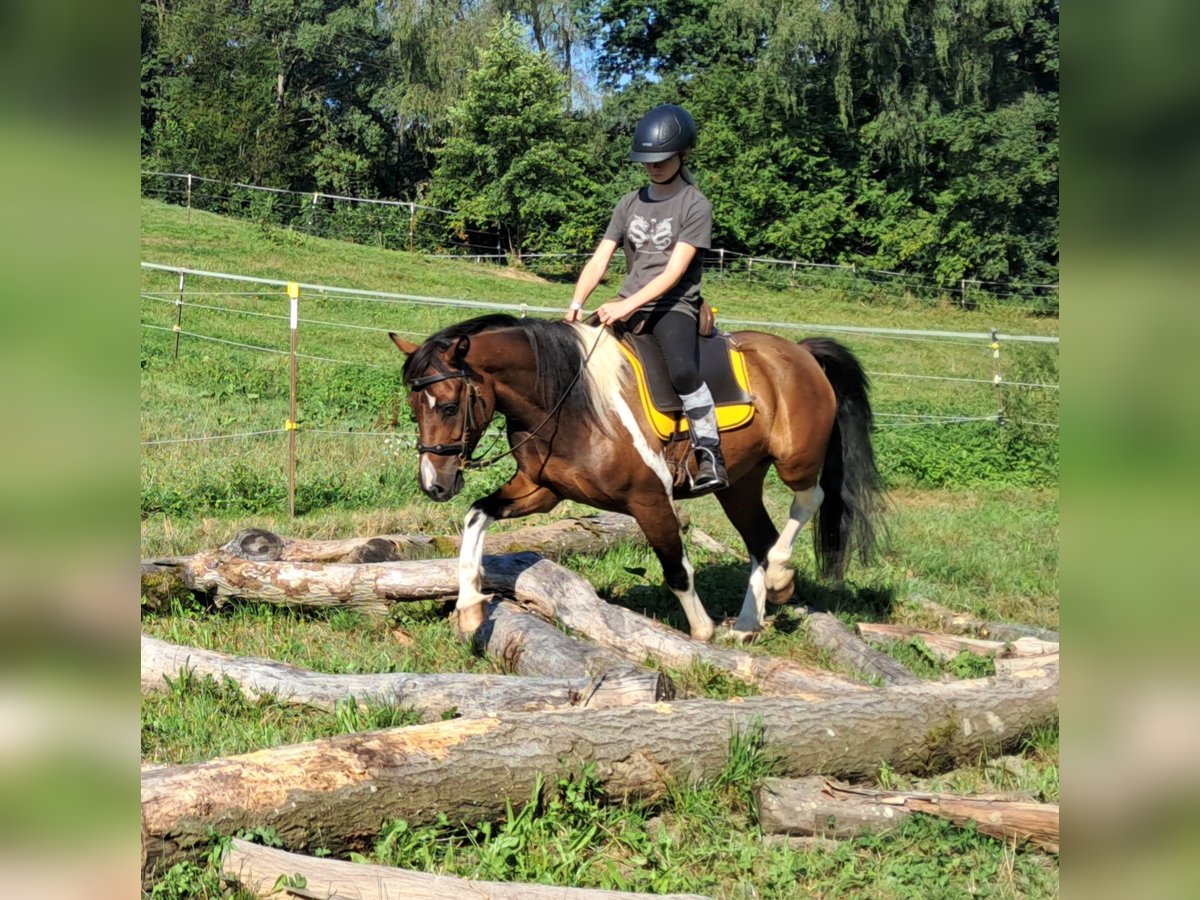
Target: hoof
<point x="704" y="634"/>
<point x="732" y="633"/>
<point x="782" y="595"/>
<point x="741" y="637"/>
<point x="466" y="621"/>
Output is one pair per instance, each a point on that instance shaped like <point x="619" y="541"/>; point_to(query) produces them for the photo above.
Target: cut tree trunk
<point x="963" y="623"/>
<point x="549" y="589"/>
<point x="259" y="868"/>
<point x="555" y="540"/>
<point x="1015" y="664"/>
<point x="433" y="695"/>
<point x="845" y="647"/>
<point x="946" y="646"/>
<point x="338" y="792"/>
<point x="529" y="645"/>
<point x="818" y="806"/>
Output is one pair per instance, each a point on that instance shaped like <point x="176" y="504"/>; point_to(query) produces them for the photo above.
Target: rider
<point x="664" y="226"/>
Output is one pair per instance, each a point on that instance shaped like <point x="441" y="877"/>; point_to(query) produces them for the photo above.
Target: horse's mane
<point x="558" y="352"/>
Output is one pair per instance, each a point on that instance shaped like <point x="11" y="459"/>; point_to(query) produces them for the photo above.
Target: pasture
<point x="972" y="525"/>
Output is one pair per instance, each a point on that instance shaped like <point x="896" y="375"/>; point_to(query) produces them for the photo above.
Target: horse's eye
<point x="450" y="409"/>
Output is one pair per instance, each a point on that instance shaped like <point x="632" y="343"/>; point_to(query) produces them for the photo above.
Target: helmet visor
<point x="648" y="157"/>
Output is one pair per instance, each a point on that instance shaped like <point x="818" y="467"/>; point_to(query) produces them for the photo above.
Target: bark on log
<point x="529" y="645"/>
<point x="258" y="868"/>
<point x="551" y="590"/>
<point x="432" y="694"/>
<point x="818" y="806"/>
<point x="338" y="792"/>
<point x="826" y="632"/>
<point x="964" y="623"/>
<point x="946" y="646"/>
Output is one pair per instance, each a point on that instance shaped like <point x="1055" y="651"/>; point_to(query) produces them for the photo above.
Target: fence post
<point x="721" y="261"/>
<point x="189" y="199"/>
<point x="290" y="426"/>
<point x="997" y="378"/>
<point x="412" y="224"/>
<point x="179" y="312"/>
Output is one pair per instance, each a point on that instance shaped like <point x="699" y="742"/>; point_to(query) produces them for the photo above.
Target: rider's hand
<point x="574" y="313"/>
<point x="614" y="311"/>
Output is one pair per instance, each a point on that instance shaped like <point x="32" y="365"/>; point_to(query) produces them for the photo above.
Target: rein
<point x="459" y="448"/>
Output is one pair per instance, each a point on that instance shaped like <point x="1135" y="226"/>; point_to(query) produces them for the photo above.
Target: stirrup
<point x="710" y="470"/>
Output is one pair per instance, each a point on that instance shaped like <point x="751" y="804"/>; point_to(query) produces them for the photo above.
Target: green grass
<point x="973" y="525"/>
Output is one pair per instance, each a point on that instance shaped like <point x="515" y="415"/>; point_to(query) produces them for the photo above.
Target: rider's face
<point x="663" y="172"/>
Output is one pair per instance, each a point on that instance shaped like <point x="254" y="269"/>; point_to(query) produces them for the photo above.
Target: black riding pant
<point x="678" y="336"/>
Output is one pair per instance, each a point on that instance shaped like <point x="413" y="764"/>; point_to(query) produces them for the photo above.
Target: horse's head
<point x="452" y="407"/>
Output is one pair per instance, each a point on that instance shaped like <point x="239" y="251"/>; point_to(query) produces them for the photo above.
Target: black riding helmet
<point x="663" y="132"/>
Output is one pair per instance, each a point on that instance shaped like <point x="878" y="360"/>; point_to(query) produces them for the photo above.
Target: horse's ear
<point x="406" y="347"/>
<point x="460" y="348"/>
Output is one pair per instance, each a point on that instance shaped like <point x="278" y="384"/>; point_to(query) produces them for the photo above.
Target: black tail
<point x="850" y="481"/>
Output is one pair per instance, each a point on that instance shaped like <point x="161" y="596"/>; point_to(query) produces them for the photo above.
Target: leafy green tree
<point x="514" y="159"/>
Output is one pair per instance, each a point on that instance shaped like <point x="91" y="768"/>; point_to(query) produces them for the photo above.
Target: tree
<point x="514" y="159"/>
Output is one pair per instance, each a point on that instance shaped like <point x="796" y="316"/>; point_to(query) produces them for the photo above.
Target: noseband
<point x="470" y="427"/>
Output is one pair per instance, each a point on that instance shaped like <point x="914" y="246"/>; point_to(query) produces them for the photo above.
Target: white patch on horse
<point x="428" y="473"/>
<point x="655" y="461"/>
<point x="606" y="373"/>
<point x="470" y="559"/>
<point x="430" y="399"/>
<point x="699" y="622"/>
<point x="754" y="606"/>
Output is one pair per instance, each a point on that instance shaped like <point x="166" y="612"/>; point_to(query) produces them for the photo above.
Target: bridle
<point x="470" y="433"/>
<point x="471" y="393"/>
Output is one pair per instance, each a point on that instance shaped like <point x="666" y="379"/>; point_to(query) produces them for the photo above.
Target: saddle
<point x="722" y="366"/>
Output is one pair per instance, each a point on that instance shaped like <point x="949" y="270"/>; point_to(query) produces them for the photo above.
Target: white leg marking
<point x="699" y="622"/>
<point x="804" y="506"/>
<point x="428" y="474"/>
<point x="470" y="559"/>
<point x="754" y="607"/>
<point x="655" y="461"/>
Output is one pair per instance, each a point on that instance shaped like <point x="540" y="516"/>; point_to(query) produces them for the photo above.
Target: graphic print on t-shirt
<point x="659" y="233"/>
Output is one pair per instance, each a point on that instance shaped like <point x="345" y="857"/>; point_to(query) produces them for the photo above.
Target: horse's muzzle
<point x="438" y="491"/>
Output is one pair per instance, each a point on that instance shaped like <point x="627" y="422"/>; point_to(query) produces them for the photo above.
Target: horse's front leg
<point x="518" y="497"/>
<point x="660" y="524"/>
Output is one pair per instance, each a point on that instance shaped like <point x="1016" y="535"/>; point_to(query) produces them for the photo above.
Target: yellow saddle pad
<point x="733" y="410"/>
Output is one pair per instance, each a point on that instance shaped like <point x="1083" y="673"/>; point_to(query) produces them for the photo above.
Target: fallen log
<point x="549" y="589"/>
<point x="339" y="792"/>
<point x="555" y="540"/>
<point x="529" y="645"/>
<point x="259" y="869"/>
<point x="433" y="695"/>
<point x="557" y="593"/>
<point x="846" y="648"/>
<point x="964" y="623"/>
<point x="1012" y="665"/>
<point x="820" y="807"/>
<point x="946" y="646"/>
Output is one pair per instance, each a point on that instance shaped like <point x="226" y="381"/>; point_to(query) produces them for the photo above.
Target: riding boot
<point x="706" y="441"/>
<point x="710" y="469"/>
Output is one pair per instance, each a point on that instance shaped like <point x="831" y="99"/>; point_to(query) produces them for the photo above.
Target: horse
<point x="576" y="430"/>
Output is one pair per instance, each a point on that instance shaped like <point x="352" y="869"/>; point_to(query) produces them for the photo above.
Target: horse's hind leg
<point x="780" y="577"/>
<point x="746" y="512"/>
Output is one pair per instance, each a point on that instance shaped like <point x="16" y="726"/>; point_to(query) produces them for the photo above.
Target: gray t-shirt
<point x="649" y="230"/>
